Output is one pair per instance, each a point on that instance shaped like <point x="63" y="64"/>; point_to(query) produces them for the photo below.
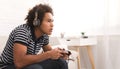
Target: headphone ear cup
<point x="36" y="22"/>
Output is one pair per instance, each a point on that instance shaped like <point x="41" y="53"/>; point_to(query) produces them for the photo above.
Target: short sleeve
<point x="21" y="36"/>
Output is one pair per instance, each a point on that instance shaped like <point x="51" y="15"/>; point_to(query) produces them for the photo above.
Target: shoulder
<point x="22" y="28"/>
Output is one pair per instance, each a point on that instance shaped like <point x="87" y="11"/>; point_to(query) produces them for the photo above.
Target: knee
<point x="33" y="66"/>
<point x="63" y="63"/>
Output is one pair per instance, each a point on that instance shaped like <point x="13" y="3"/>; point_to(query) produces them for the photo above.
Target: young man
<point x="25" y="41"/>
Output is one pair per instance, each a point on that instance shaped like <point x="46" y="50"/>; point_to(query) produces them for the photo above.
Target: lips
<point x="51" y="30"/>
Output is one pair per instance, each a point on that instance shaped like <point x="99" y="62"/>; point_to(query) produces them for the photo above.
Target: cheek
<point x="44" y="28"/>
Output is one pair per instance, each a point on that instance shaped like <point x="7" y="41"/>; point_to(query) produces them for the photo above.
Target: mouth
<point x="51" y="30"/>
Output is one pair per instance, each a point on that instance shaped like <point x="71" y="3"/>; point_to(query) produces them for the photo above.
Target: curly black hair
<point x="41" y="9"/>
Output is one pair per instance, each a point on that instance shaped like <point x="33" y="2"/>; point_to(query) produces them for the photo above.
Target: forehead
<point x="48" y="16"/>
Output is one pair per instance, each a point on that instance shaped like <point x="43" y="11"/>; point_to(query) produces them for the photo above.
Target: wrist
<point x="48" y="54"/>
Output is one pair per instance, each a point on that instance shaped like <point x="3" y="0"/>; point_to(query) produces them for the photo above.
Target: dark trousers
<point x="47" y="64"/>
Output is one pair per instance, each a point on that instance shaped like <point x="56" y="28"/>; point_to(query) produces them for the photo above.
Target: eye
<point x="50" y="20"/>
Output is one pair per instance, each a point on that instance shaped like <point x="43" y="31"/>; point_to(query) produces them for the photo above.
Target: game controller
<point x="66" y="52"/>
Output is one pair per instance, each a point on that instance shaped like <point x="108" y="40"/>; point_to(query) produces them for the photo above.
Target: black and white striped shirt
<point x="23" y="34"/>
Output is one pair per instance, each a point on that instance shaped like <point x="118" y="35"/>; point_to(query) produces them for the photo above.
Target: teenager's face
<point x="47" y="24"/>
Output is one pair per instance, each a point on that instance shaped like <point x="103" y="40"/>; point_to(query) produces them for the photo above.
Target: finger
<point x="61" y="55"/>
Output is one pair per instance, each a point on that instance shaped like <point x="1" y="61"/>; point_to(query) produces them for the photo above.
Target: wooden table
<point x="76" y="43"/>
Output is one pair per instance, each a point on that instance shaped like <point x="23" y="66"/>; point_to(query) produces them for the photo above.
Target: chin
<point x="49" y="33"/>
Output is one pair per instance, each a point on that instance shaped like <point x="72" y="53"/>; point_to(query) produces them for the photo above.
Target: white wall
<point x="70" y="16"/>
<point x="13" y="13"/>
<point x="95" y="17"/>
<point x="76" y="16"/>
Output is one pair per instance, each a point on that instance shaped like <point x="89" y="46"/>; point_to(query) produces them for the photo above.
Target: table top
<point x="92" y="41"/>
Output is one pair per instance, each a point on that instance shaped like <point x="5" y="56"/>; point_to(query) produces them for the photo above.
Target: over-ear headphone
<point x="36" y="21"/>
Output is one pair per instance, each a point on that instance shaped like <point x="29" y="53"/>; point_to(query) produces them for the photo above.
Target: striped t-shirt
<point x="22" y="34"/>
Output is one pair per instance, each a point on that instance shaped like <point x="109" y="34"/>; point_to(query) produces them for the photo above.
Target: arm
<point x="47" y="48"/>
<point x="21" y="59"/>
<point x="66" y="53"/>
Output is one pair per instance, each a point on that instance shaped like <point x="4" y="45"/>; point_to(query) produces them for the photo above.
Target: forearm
<point x="30" y="59"/>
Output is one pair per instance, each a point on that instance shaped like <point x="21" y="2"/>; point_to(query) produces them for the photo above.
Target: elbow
<point x="18" y="65"/>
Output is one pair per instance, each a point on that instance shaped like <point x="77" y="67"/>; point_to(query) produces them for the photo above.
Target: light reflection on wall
<point x="70" y="16"/>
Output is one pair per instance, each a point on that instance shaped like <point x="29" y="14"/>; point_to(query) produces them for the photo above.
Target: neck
<point x="38" y="33"/>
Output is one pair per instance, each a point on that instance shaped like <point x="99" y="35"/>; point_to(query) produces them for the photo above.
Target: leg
<point x="78" y="58"/>
<point x="77" y="49"/>
<point x="33" y="66"/>
<point x="91" y="57"/>
<point x="11" y="66"/>
<point x="63" y="64"/>
<point x="54" y="64"/>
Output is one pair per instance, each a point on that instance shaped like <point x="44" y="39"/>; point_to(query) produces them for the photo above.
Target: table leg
<point x="91" y="56"/>
<point x="78" y="58"/>
<point x="77" y="49"/>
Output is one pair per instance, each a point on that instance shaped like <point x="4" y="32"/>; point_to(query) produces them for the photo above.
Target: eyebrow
<point x="50" y="19"/>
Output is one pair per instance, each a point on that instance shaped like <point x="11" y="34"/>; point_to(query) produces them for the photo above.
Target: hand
<point x="66" y="54"/>
<point x="65" y="57"/>
<point x="56" y="53"/>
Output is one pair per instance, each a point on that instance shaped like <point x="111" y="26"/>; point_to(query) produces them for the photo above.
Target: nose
<point x="52" y="24"/>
